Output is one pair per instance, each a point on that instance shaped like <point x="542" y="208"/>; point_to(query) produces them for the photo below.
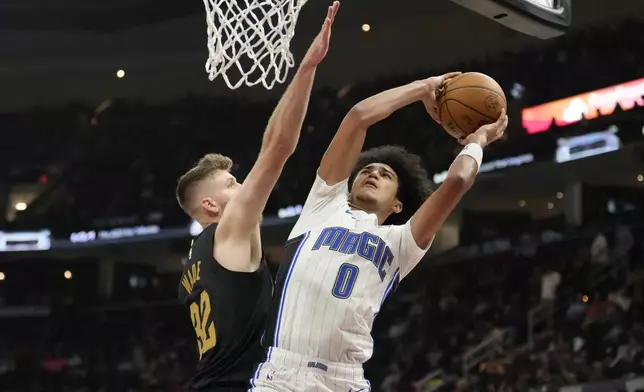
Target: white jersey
<point x="340" y="267"/>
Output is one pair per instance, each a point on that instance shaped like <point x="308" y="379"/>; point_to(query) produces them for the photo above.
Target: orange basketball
<point x="468" y="102"/>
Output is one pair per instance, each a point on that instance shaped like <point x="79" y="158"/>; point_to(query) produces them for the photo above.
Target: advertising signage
<point x="44" y="240"/>
<point x="589" y="105"/>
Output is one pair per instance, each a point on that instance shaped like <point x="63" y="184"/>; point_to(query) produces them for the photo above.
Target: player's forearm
<point x="343" y="152"/>
<point x="461" y="174"/>
<point x="380" y="106"/>
<point x="436" y="209"/>
<point x="283" y="129"/>
<point x="465" y="168"/>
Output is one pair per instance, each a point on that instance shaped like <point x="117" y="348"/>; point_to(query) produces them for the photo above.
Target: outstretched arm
<point x="343" y="152"/>
<point x="461" y="174"/>
<point x="280" y="139"/>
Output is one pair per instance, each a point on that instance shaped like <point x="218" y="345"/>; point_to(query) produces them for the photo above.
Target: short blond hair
<point x="209" y="164"/>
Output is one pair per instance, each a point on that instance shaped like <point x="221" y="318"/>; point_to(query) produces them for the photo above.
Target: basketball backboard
<point x="540" y="18"/>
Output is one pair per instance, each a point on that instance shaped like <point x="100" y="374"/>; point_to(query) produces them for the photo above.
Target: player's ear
<point x="210" y="206"/>
<point x="397" y="207"/>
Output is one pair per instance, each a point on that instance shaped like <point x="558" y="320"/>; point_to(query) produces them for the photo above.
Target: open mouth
<point x="370" y="184"/>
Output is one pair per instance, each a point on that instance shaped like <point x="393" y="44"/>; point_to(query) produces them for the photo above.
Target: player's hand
<point x="488" y="133"/>
<point x="432" y="85"/>
<point x="320" y="45"/>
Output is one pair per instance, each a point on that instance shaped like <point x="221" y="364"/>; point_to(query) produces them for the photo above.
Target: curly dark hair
<point x="413" y="184"/>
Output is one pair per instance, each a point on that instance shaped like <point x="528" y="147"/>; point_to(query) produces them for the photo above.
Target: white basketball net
<point x="253" y="38"/>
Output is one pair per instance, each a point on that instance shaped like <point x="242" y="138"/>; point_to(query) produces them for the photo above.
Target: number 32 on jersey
<point x="204" y="327"/>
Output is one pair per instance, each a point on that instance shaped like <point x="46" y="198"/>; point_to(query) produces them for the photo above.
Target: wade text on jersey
<point x="191" y="276"/>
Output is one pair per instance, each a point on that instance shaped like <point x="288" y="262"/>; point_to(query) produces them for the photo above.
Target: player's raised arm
<point x="280" y="139"/>
<point x="460" y="177"/>
<point x="343" y="152"/>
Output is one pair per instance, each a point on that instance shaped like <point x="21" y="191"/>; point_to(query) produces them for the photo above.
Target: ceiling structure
<point x="54" y="52"/>
<point x="91" y="15"/>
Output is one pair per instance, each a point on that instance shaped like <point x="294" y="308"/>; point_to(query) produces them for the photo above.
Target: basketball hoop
<point x="249" y="40"/>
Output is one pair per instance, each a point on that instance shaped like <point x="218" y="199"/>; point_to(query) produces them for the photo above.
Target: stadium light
<point x="20" y="206"/>
<point x="366" y="28"/>
<point x="68" y="274"/>
<point x="120" y="74"/>
<point x="2" y="276"/>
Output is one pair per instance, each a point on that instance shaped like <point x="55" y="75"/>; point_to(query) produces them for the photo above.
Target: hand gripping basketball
<point x="320" y="45"/>
<point x="431" y="86"/>
<point x="488" y="133"/>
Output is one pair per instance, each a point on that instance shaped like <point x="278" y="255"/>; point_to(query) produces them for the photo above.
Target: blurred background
<point x="535" y="283"/>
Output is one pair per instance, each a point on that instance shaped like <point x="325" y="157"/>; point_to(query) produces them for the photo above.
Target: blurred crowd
<point x="536" y="316"/>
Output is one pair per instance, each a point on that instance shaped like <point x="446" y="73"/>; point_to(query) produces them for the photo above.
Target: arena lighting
<point x="366" y="28"/>
<point x="517" y="90"/>
<point x="492" y="166"/>
<point x="588" y="105"/>
<point x="560" y="195"/>
<point x="640" y="178"/>
<point x="25" y="241"/>
<point x="120" y="74"/>
<point x="114" y="234"/>
<point x="290" y="211"/>
<point x="20" y="206"/>
<point x="68" y="274"/>
<point x="2" y="276"/>
<point x="41" y="240"/>
<point x="587" y="145"/>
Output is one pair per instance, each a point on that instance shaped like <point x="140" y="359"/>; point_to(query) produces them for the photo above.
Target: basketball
<point x="468" y="102"/>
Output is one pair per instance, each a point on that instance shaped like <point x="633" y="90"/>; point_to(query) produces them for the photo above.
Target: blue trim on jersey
<point x="283" y="298"/>
<point x="390" y="288"/>
<point x="259" y="369"/>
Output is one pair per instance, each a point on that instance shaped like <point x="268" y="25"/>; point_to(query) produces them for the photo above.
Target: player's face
<point x="222" y="186"/>
<point x="375" y="188"/>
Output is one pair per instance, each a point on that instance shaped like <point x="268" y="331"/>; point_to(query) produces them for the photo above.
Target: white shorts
<point x="286" y="371"/>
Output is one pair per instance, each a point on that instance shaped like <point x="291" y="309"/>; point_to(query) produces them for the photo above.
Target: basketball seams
<point x="464" y="76"/>
<point x="480" y="95"/>
<point x="461" y="76"/>
<point x="452" y="118"/>
<point x="469" y="107"/>
<point x="479" y="87"/>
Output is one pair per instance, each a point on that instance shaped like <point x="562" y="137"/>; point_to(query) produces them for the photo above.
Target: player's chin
<point x="367" y="193"/>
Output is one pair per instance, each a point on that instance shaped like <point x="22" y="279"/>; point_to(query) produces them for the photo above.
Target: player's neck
<point x="381" y="217"/>
<point x="205" y="222"/>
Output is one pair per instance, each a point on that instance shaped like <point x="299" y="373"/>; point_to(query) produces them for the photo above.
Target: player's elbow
<point x="458" y="183"/>
<point x="279" y="143"/>
<point x="360" y="115"/>
<point x="279" y="151"/>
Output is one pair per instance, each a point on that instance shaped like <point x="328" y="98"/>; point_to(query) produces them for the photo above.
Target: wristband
<point x="474" y="151"/>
